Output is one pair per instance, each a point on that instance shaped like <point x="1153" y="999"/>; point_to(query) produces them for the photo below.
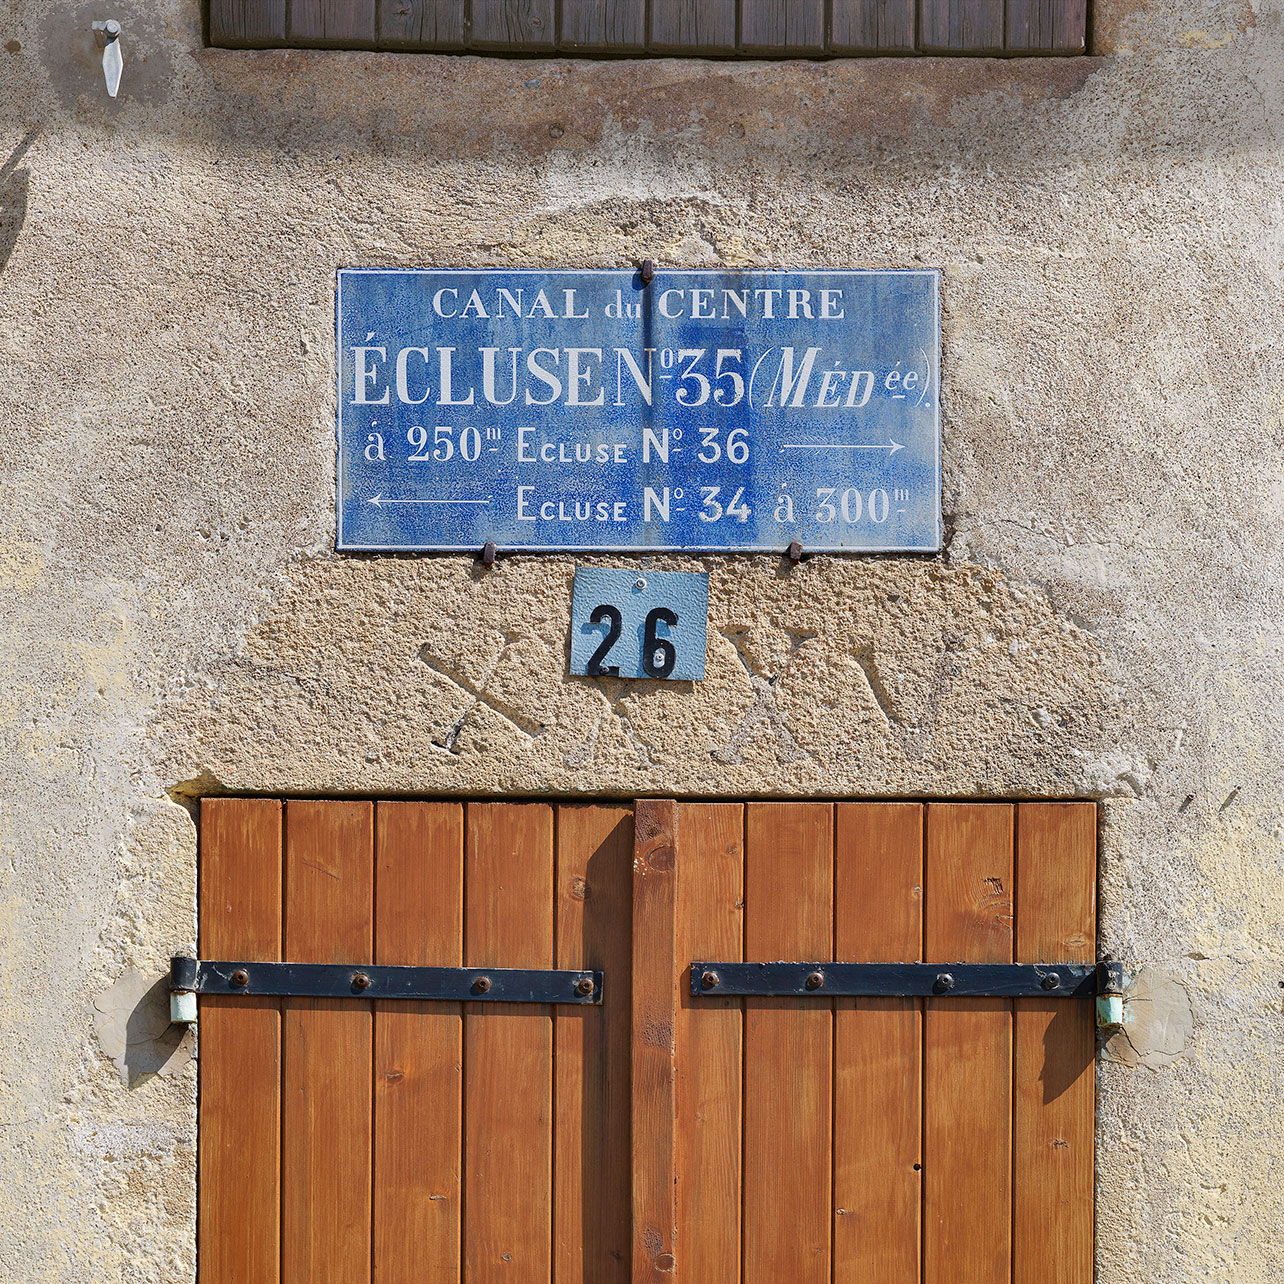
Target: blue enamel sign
<point x="704" y="411"/>
<point x="639" y="624"/>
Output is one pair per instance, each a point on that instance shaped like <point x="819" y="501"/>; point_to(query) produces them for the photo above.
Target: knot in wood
<point x="661" y="859"/>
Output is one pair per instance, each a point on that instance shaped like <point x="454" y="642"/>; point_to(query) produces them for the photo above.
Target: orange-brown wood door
<point x="350" y="1142"/>
<point x="656" y="1137"/>
<point x="876" y="1141"/>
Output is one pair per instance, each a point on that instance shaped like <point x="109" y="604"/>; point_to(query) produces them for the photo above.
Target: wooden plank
<point x="708" y="1038"/>
<point x="873" y="26"/>
<point x="692" y="26"/>
<point x="961" y="26"/>
<point x="418" y="1048"/>
<point x="967" y="1150"/>
<point x="241" y="24"/>
<point x="592" y="1224"/>
<point x="325" y="1134"/>
<point x="613" y="25"/>
<point x="509" y="24"/>
<point x="655" y="969"/>
<point x="878" y="918"/>
<point x="788" y="1048"/>
<point x="338" y="24"/>
<point x="238" y="1227"/>
<point x="1054" y="1105"/>
<point x="508" y="1048"/>
<point x="782" y="26"/>
<point x="1046" y="26"/>
<point x="422" y="24"/>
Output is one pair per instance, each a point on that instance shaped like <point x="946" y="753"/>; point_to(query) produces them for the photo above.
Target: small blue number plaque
<point x="639" y="624"/>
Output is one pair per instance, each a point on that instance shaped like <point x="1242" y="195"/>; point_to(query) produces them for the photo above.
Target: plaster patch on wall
<point x="132" y="1022"/>
<point x="1158" y="1022"/>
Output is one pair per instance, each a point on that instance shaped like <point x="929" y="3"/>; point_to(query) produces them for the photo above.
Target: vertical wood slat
<point x="873" y="26"/>
<point x="961" y="26"/>
<point x="692" y="26"/>
<point x="1046" y="26"/>
<point x="783" y="26"/>
<point x="878" y="918"/>
<point x="967" y="1091"/>
<point x="788" y="1048"/>
<point x="244" y="24"/>
<point x="326" y="1128"/>
<point x="418" y="1046"/>
<point x="710" y="925"/>
<point x="592" y="1221"/>
<point x="344" y="24"/>
<point x="505" y="24"/>
<point x="421" y="24"/>
<point x="240" y="1063"/>
<point x="508" y="1048"/>
<point x="655" y="969"/>
<point x="614" y="25"/>
<point x="1053" y="1078"/>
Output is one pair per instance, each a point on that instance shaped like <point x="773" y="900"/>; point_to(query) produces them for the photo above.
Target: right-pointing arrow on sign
<point x="890" y="446"/>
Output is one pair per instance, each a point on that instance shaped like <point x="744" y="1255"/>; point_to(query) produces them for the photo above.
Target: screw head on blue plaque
<point x="704" y="412"/>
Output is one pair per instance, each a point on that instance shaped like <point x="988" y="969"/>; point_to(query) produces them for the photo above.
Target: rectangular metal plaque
<point x="639" y="624"/>
<point x="705" y="412"/>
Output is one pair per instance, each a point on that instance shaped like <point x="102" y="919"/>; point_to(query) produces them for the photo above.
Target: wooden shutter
<point x="895" y="1141"/>
<point x="657" y="1137"/>
<point x="341" y="1141"/>
<point x="661" y="28"/>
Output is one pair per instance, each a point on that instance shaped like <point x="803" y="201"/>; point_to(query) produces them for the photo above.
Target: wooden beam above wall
<point x="661" y="28"/>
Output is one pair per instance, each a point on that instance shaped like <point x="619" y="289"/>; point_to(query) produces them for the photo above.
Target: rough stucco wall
<point x="1103" y="623"/>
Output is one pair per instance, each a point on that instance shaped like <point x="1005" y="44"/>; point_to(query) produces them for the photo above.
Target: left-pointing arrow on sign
<point x="379" y="502"/>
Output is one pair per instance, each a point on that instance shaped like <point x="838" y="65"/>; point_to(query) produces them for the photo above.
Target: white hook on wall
<point x="108" y="35"/>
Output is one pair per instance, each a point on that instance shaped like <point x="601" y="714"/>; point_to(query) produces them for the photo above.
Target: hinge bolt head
<point x="240" y="978"/>
<point x="944" y="983"/>
<point x="360" y="981"/>
<point x="709" y="980"/>
<point x="1052" y="981"/>
<point x="481" y="985"/>
<point x="584" y="986"/>
<point x="815" y="980"/>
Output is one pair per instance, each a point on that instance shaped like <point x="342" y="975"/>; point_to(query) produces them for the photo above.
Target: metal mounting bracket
<point x="370" y="981"/>
<point x="896" y="980"/>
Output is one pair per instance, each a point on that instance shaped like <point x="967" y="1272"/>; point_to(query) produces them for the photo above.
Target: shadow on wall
<point x="13" y="198"/>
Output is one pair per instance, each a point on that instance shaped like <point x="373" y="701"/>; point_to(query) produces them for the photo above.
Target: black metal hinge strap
<point x="896" y="980"/>
<point x="370" y="981"/>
